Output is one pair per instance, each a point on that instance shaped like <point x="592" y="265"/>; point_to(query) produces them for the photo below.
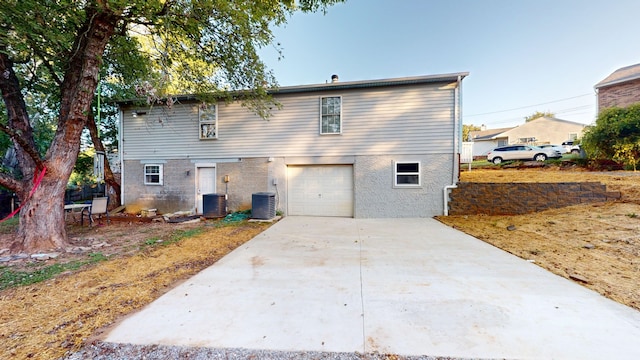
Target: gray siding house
<point x="365" y="149"/>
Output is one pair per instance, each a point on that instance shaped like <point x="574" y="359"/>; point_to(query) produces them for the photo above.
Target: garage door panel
<point x="325" y="190"/>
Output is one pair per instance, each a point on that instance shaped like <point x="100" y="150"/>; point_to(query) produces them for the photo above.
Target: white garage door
<point x="320" y="190"/>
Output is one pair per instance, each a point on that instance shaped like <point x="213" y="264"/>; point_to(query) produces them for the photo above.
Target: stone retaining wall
<point x="523" y="198"/>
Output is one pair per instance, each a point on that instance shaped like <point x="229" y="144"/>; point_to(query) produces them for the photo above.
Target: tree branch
<point x="10" y="183"/>
<point x="18" y="126"/>
<point x="17" y="137"/>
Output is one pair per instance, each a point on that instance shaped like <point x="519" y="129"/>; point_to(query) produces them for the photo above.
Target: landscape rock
<point x="511" y="227"/>
<point x="43" y="257"/>
<point x="100" y="245"/>
<point x="192" y="221"/>
<point x="79" y="249"/>
<point x="14" y="257"/>
<point x="589" y="246"/>
<point x="178" y="214"/>
<point x="4" y="251"/>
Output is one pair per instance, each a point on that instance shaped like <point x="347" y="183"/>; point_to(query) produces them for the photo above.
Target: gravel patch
<point x="111" y="351"/>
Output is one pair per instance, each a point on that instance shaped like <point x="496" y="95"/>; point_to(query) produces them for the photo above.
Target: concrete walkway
<point x="398" y="286"/>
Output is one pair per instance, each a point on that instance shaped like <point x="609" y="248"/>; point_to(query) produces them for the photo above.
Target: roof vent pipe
<point x="334" y="78"/>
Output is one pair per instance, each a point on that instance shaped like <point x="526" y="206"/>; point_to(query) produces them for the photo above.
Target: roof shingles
<point x="627" y="73"/>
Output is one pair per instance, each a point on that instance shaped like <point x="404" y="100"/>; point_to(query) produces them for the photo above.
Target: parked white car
<point x="521" y="152"/>
<point x="560" y="148"/>
<point x="570" y="147"/>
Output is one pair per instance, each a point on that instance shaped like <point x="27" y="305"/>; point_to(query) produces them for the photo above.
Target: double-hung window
<point x="208" y="121"/>
<point x="153" y="174"/>
<point x="406" y="174"/>
<point x="331" y="115"/>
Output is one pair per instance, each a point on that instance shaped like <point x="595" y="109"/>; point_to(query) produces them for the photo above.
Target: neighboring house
<point x="544" y="130"/>
<point x="365" y="149"/>
<point x="620" y="89"/>
<point x="486" y="140"/>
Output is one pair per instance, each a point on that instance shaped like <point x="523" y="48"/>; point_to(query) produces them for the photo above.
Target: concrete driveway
<point x="397" y="286"/>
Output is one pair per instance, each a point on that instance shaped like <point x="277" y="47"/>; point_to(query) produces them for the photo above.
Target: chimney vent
<point x="334" y="78"/>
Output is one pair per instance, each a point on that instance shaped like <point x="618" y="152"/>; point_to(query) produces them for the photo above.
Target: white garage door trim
<point x="320" y="190"/>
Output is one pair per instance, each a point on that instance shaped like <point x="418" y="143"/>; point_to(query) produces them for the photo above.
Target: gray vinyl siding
<point x="415" y="119"/>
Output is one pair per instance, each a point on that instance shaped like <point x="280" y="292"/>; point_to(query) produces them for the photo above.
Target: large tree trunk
<point x="42" y="216"/>
<point x="42" y="226"/>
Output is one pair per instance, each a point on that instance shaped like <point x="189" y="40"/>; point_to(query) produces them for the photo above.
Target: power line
<point x="574" y="109"/>
<point x="560" y="111"/>
<point x="529" y="106"/>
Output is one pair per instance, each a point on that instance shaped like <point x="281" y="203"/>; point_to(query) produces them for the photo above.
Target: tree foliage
<point x="616" y="135"/>
<point x="467" y="129"/>
<point x="53" y="53"/>
<point x="538" y="114"/>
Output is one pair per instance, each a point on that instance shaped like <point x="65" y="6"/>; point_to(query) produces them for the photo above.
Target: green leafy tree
<point x="467" y="129"/>
<point x="628" y="154"/>
<point x="60" y="49"/>
<point x="616" y="135"/>
<point x="538" y="114"/>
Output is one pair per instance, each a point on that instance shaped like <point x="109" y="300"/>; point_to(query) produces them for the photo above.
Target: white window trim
<point x="395" y="174"/>
<point x="321" y="115"/>
<point x="201" y="114"/>
<point x="160" y="173"/>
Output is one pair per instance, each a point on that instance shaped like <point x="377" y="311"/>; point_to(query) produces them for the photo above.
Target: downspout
<point x="120" y="157"/>
<point x="457" y="128"/>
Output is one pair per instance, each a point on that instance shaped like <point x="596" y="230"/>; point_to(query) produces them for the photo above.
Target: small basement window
<point x="153" y="174"/>
<point x="208" y="121"/>
<point x="407" y="174"/>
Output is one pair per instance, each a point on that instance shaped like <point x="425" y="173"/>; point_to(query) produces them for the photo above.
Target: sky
<point x="522" y="56"/>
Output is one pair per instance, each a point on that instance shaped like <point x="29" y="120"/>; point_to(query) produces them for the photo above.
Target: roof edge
<point x="425" y="79"/>
<point x="616" y="82"/>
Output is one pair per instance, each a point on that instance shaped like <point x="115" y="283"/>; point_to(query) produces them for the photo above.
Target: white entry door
<point x="320" y="190"/>
<point x="205" y="184"/>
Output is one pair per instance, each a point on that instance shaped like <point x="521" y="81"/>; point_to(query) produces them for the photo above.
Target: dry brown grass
<point x="46" y="320"/>
<point x="596" y="245"/>
<point x="626" y="182"/>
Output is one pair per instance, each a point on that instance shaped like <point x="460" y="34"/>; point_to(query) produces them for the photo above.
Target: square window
<point x="208" y="121"/>
<point x="153" y="174"/>
<point x="407" y="174"/>
<point x="331" y="115"/>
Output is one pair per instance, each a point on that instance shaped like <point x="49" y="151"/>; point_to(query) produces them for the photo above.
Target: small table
<point x="77" y="208"/>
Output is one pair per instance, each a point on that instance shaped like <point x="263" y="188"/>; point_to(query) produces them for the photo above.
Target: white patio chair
<point x="98" y="208"/>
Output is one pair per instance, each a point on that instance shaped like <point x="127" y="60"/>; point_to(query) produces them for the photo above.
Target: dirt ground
<point x="596" y="245"/>
<point x="123" y="236"/>
<point x="49" y="319"/>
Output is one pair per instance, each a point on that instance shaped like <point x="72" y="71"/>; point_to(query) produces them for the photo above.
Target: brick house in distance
<point x="620" y="89"/>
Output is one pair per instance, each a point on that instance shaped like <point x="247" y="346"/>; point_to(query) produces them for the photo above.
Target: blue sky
<point x="526" y="55"/>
